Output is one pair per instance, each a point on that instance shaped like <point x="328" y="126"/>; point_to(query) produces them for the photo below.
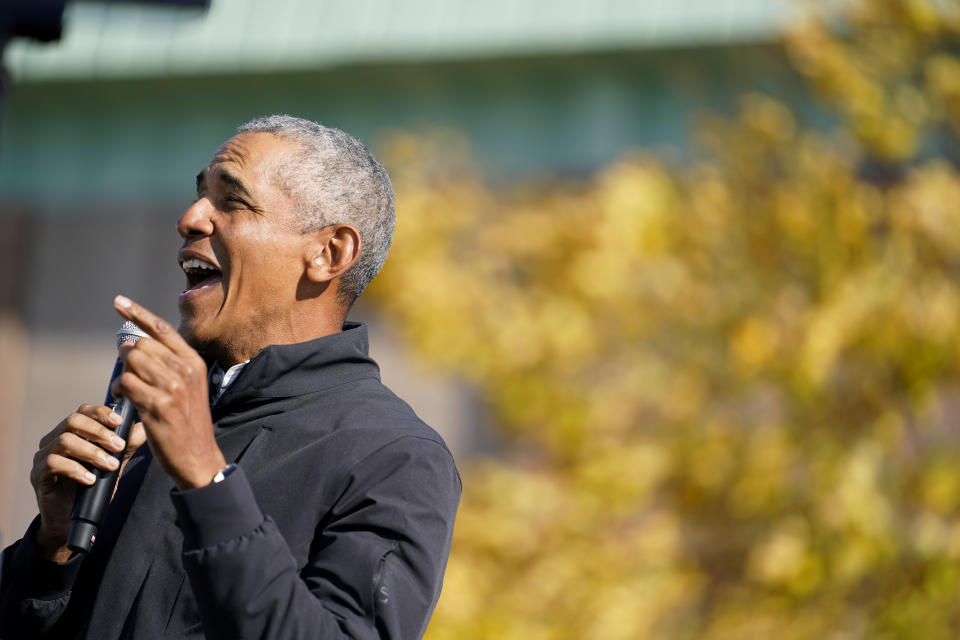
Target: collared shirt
<point x="219" y="379"/>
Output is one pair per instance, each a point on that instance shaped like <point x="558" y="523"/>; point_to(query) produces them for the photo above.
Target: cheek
<point x="262" y="262"/>
<point x="265" y="275"/>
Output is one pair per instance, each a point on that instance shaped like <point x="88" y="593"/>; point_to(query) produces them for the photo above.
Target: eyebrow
<point x="235" y="182"/>
<point x="227" y="177"/>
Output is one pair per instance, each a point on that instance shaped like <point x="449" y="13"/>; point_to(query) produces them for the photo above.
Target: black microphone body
<point x="92" y="500"/>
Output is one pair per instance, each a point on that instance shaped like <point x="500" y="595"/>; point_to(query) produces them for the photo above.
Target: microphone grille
<point x="129" y="332"/>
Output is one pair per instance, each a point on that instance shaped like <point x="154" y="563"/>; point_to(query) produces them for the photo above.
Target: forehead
<point x="257" y="157"/>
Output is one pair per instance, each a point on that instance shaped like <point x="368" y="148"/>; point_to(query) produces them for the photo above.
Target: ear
<point x="336" y="249"/>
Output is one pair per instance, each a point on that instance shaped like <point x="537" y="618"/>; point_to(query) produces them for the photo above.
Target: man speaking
<point x="284" y="492"/>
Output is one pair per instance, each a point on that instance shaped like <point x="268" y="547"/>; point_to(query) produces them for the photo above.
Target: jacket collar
<point x="283" y="371"/>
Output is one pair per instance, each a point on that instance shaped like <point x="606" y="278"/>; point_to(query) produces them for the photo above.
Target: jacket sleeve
<point x="34" y="591"/>
<point x="376" y="563"/>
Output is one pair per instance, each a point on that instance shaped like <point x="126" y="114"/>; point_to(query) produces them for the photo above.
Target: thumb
<point x="138" y="435"/>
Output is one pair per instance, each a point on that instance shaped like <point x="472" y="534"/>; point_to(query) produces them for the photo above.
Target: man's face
<point x="243" y="253"/>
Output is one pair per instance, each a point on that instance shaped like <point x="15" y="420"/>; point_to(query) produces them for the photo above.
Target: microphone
<point x="92" y="500"/>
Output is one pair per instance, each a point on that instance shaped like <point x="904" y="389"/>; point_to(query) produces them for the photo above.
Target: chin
<point x="189" y="333"/>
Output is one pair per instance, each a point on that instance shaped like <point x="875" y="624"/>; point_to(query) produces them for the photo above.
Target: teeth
<point x="196" y="263"/>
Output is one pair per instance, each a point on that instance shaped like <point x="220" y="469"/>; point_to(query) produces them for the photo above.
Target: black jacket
<point x="337" y="522"/>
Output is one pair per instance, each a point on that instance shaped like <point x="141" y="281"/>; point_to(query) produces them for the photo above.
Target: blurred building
<point x="104" y="131"/>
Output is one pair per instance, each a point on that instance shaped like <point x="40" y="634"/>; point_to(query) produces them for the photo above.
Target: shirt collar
<point x="219" y="380"/>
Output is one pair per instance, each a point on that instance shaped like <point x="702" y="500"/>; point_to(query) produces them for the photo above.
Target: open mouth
<point x="200" y="273"/>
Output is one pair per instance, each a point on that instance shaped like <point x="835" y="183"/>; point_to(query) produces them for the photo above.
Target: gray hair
<point x="334" y="179"/>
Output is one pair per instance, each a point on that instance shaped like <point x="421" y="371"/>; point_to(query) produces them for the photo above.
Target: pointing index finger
<point x="155" y="326"/>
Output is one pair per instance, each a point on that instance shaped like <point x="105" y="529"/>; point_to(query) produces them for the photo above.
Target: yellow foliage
<point x="728" y="393"/>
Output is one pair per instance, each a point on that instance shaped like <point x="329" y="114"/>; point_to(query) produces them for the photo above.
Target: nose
<point x="195" y="221"/>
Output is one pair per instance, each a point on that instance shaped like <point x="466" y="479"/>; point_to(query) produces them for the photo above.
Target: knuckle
<point x="147" y="406"/>
<point x="160" y="325"/>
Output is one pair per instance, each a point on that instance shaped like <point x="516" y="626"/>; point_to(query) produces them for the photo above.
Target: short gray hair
<point x="334" y="179"/>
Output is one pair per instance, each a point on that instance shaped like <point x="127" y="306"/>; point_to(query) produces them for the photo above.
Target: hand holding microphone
<point x="70" y="457"/>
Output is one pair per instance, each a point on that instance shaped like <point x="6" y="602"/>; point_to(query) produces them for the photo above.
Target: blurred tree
<point x="729" y="393"/>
